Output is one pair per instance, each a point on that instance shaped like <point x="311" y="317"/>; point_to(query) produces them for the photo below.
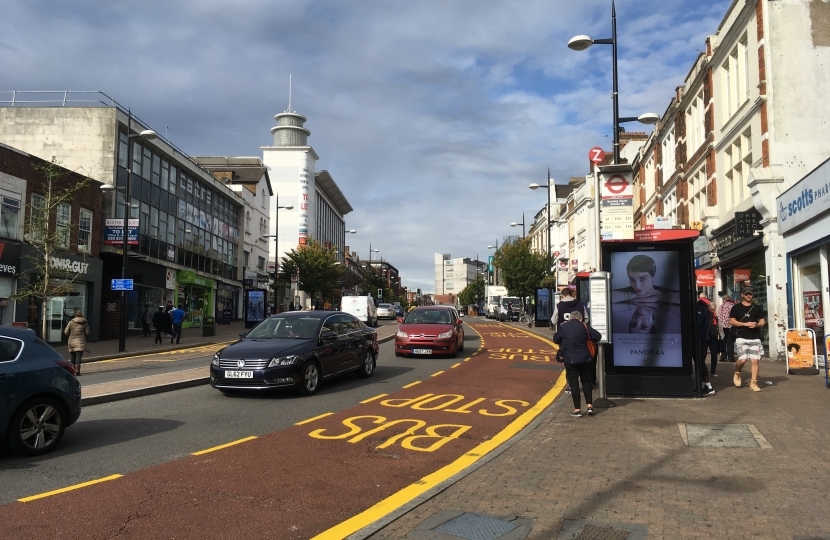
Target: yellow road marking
<point x="374" y="398"/>
<point x="436" y="374"/>
<point x="412" y="384"/>
<point x="430" y="481"/>
<point x="221" y="446"/>
<point x="456" y="365"/>
<point x="70" y="488"/>
<point x="309" y="420"/>
<point x="537" y="336"/>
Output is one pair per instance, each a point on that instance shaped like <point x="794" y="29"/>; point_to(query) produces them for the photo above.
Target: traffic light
<point x="419" y="293"/>
<point x="380" y="293"/>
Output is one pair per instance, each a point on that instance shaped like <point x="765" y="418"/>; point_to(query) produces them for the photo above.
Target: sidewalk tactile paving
<point x="476" y="527"/>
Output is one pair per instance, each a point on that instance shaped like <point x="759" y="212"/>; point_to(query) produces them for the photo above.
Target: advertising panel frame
<point x="543" y="306"/>
<point x="254" y="300"/>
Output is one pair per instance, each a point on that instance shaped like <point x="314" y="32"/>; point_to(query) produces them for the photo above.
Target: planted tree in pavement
<point x="520" y="268"/>
<point x="317" y="267"/>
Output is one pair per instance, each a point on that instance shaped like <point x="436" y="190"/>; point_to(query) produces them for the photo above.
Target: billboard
<point x="254" y="307"/>
<point x="114" y="232"/>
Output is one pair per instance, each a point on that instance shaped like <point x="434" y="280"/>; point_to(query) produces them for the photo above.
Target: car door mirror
<point x="243" y="334"/>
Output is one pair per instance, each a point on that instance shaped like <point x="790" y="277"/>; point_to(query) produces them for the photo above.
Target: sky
<point x="432" y="116"/>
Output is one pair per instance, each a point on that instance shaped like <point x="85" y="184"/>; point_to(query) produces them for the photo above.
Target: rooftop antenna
<point x="289" y="93"/>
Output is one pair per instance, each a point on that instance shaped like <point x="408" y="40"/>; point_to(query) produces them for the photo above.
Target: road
<point x="128" y="435"/>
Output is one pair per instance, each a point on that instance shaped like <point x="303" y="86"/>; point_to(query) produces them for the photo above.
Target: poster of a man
<point x="645" y="310"/>
<point x="256" y="306"/>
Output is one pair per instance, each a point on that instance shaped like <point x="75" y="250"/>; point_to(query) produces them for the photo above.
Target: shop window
<point x="122" y="150"/>
<point x="63" y="217"/>
<point x="85" y="231"/>
<point x="807" y="304"/>
<point x="9" y="214"/>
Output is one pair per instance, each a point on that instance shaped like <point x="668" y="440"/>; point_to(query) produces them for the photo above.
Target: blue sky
<point x="432" y="116"/>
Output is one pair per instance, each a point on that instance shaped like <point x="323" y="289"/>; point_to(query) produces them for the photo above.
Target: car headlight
<point x="401" y="334"/>
<point x="284" y="360"/>
<point x="445" y="335"/>
<point x="215" y="360"/>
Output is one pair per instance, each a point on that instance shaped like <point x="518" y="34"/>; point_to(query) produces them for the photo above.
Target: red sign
<point x="616" y="184"/>
<point x="741" y="274"/>
<point x="661" y="235"/>
<point x="705" y="278"/>
<point x="596" y="155"/>
<point x="555" y="253"/>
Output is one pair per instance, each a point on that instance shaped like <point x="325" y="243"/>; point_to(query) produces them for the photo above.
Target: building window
<point x="260" y="264"/>
<point x="85" y="231"/>
<point x="735" y="78"/>
<point x="694" y="123"/>
<point x="245" y="254"/>
<point x="37" y="218"/>
<point x="737" y="159"/>
<point x="9" y="212"/>
<point x="63" y="215"/>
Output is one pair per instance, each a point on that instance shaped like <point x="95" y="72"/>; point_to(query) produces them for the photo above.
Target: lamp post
<point x="147" y="134"/>
<point x="276" y="237"/>
<point x="534" y="187"/>
<point x="514" y="224"/>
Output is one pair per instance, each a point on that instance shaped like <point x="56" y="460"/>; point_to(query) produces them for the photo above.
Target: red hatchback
<point x="430" y="330"/>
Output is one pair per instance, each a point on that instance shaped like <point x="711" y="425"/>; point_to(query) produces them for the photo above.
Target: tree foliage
<point x="521" y="269"/>
<point x="316" y="266"/>
<point x="473" y="292"/>
<point x="51" y="278"/>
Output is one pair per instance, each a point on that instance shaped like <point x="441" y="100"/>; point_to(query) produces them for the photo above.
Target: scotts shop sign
<point x="806" y="200"/>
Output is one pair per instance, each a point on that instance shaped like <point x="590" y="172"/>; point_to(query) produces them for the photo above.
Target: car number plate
<point x="239" y="374"/>
<point x="421" y="351"/>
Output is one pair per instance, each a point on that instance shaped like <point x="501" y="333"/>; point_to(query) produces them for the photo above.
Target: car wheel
<point x="368" y="366"/>
<point x="311" y="378"/>
<point x="36" y="427"/>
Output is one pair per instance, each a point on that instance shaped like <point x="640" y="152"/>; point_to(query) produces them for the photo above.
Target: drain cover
<point x="592" y="532"/>
<point x="476" y="527"/>
<point x="723" y="435"/>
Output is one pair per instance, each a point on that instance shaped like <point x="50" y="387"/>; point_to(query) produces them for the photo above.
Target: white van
<point x="362" y="307"/>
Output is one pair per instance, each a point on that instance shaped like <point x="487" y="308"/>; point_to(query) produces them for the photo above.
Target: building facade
<point x="453" y="275"/>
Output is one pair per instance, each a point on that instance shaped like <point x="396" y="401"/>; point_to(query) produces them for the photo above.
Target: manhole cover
<point x="476" y="527"/>
<point x="723" y="435"/>
<point x="592" y="532"/>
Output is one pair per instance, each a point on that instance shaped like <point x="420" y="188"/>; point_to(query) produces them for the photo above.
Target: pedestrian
<point x="727" y="337"/>
<point x="177" y="318"/>
<point x="509" y="311"/>
<point x="713" y="343"/>
<point x="562" y="313"/>
<point x="160" y="319"/>
<point x="572" y="338"/>
<point x="747" y="318"/>
<point x="77" y="330"/>
<point x="291" y="306"/>
<point x="704" y="324"/>
<point x="168" y="329"/>
<point x="146" y="317"/>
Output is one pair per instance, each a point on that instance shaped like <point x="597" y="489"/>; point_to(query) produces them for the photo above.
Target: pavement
<point x="738" y="464"/>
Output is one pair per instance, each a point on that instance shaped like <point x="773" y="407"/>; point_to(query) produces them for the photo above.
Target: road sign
<point x="596" y="155"/>
<point x="295" y="278"/>
<point x="555" y="253"/>
<point x="122" y="285"/>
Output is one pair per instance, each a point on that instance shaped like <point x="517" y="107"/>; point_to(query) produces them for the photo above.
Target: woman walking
<point x="77" y="330"/>
<point x="572" y="338"/>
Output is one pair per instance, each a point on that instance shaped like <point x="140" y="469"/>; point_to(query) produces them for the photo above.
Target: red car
<point x="430" y="330"/>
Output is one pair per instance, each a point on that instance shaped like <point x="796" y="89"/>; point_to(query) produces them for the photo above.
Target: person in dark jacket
<point x="572" y="338"/>
<point x="168" y="327"/>
<point x="704" y="323"/>
<point x="146" y="317"/>
<point x="160" y="319"/>
<point x="562" y="313"/>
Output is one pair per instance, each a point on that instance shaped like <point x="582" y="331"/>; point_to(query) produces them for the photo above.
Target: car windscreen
<point x="285" y="328"/>
<point x="386" y="306"/>
<point x="429" y="316"/>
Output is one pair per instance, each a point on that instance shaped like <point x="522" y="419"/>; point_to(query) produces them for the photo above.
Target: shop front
<point x="196" y="295"/>
<point x="9" y="266"/>
<point x="78" y="279"/>
<point x="227" y="299"/>
<point x="804" y="214"/>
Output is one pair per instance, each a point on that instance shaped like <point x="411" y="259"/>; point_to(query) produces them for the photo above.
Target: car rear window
<point x="9" y="349"/>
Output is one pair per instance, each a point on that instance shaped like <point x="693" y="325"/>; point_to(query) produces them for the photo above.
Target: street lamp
<point x="582" y="42"/>
<point x="276" y="237"/>
<point x="147" y="135"/>
<point x="534" y="187"/>
<point x="514" y="224"/>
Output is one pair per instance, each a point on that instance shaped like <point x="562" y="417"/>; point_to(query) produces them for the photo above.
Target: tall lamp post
<point x="147" y="134"/>
<point x="534" y="187"/>
<point x="514" y="224"/>
<point x="276" y="237"/>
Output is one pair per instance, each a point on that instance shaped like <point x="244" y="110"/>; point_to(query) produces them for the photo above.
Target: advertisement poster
<point x="114" y="232"/>
<point x="645" y="309"/>
<point x="800" y="352"/>
<point x="705" y="278"/>
<point x="543" y="304"/>
<point x="256" y="306"/>
<point x="814" y="312"/>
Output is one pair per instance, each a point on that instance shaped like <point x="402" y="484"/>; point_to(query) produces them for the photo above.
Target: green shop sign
<point x="189" y="276"/>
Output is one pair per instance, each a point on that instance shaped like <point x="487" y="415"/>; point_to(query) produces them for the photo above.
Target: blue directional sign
<point x="122" y="284"/>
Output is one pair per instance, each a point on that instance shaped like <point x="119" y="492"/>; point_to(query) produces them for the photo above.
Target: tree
<point x="521" y="269"/>
<point x="473" y="292"/>
<point x="48" y="235"/>
<point x="317" y="267"/>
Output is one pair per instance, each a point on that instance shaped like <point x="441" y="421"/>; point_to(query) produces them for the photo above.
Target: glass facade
<point x="180" y="220"/>
<point x="808" y="306"/>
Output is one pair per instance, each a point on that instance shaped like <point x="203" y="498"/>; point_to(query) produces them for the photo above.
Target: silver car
<point x="386" y="311"/>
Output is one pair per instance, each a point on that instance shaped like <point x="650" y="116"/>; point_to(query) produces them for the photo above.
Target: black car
<point x="39" y="394"/>
<point x="296" y="349"/>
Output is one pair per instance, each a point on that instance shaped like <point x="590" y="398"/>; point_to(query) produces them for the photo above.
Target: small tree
<point x="48" y="238"/>
<point x="521" y="269"/>
<point x="473" y="292"/>
<point x="316" y="266"/>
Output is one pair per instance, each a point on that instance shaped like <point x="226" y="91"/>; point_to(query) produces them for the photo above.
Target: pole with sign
<point x="599" y="283"/>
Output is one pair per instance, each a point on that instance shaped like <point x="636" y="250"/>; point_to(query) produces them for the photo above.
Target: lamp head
<point x="289" y="207"/>
<point x="534" y="186"/>
<point x="580" y="43"/>
<point x="648" y="119"/>
<point x="352" y="231"/>
<point x="148" y="135"/>
<point x="513" y="224"/>
<point x="107" y="188"/>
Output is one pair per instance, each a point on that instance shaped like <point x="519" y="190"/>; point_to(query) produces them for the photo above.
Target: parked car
<point x="430" y="330"/>
<point x="39" y="393"/>
<point x="296" y="349"/>
<point x="386" y="311"/>
<point x="399" y="312"/>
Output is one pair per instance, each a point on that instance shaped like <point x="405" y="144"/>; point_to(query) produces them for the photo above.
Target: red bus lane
<point x="326" y="477"/>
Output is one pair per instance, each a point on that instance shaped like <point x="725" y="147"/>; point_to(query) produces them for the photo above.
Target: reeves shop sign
<point x="9" y="258"/>
<point x="807" y="199"/>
